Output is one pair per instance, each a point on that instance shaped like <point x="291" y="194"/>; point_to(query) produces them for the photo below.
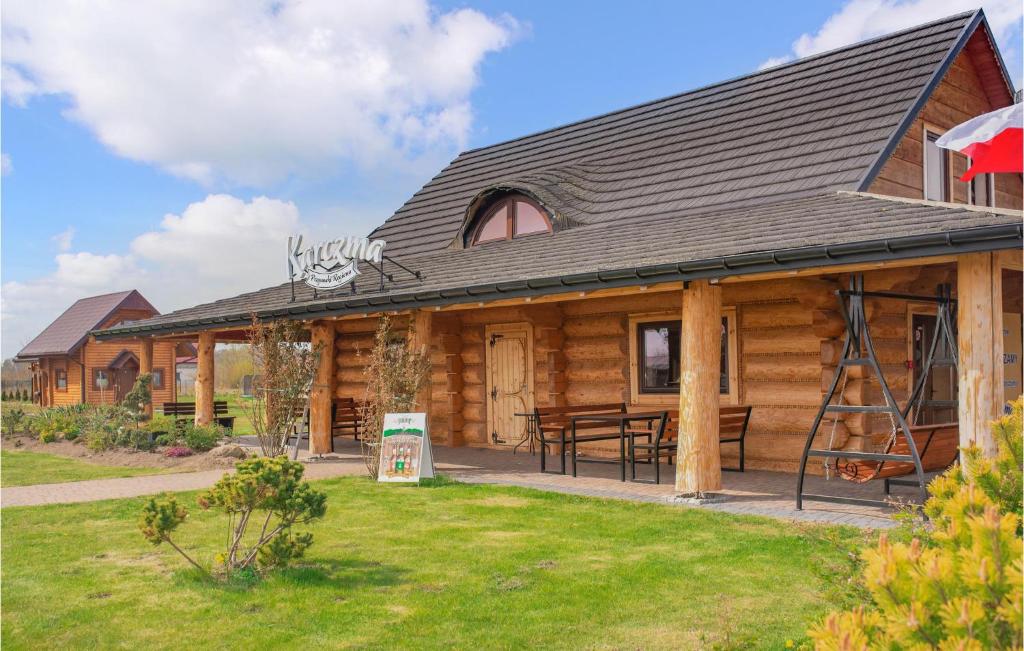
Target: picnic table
<point x="619" y="420"/>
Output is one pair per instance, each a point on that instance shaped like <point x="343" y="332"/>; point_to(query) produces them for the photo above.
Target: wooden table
<point x="611" y="419"/>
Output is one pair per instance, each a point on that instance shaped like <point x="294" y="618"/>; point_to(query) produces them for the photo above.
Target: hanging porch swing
<point x="909" y="451"/>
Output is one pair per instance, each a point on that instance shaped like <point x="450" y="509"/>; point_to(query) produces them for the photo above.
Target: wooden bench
<point x="664" y="441"/>
<point x="553" y="424"/>
<point x="346" y="419"/>
<point x="182" y="411"/>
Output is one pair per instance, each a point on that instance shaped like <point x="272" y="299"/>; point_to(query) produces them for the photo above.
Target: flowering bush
<point x="958" y="583"/>
<point x="177" y="451"/>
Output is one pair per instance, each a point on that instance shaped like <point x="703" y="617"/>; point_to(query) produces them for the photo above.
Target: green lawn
<point x="22" y="468"/>
<point x="448" y="566"/>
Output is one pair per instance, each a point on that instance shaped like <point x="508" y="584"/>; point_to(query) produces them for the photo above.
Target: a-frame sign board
<point x="405" y="453"/>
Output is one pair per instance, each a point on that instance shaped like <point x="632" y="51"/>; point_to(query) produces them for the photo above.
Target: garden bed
<point x="126" y="457"/>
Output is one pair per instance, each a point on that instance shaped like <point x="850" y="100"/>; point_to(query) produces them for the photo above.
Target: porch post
<point x="699" y="468"/>
<point x="146" y="366"/>
<point x="980" y="347"/>
<point x="421" y="322"/>
<point x="204" y="379"/>
<point x="322" y="336"/>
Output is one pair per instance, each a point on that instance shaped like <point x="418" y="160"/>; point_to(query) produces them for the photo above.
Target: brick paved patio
<point x="755" y="492"/>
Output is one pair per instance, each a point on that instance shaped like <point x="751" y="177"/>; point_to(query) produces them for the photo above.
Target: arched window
<point x="510" y="217"/>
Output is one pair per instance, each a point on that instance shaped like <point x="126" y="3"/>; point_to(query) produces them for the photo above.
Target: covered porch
<point x="769" y="341"/>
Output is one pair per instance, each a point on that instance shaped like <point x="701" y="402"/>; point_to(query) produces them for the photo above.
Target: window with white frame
<point x="936" y="169"/>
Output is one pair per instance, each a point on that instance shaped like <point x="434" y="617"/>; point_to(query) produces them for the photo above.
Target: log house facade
<point x="687" y="255"/>
<point x="69" y="366"/>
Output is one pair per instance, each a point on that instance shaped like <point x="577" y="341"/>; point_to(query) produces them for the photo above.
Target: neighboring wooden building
<point x="574" y="266"/>
<point x="70" y="367"/>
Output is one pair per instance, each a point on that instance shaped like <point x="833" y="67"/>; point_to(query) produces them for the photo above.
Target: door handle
<point x="494" y="393"/>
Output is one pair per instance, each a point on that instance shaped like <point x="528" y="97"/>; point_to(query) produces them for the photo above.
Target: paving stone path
<point x="751" y="493"/>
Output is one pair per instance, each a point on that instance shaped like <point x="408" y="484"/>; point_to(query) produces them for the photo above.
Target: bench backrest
<point x="561" y="417"/>
<point x="220" y="408"/>
<point x="732" y="423"/>
<point x="347" y="411"/>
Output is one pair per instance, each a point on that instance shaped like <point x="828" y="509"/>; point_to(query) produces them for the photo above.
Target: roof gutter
<point x="987" y="238"/>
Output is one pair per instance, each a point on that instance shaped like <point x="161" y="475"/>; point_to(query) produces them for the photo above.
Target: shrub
<point x="957" y="584"/>
<point x="105" y="426"/>
<point x="284" y="365"/>
<point x="177" y="451"/>
<point x="58" y="422"/>
<point x="12" y="420"/>
<point x="395" y="372"/>
<point x="163" y="440"/>
<point x="160" y="424"/>
<point x="201" y="438"/>
<point x="267" y="491"/>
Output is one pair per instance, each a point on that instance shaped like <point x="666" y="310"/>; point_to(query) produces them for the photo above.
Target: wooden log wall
<point x="789" y="337"/>
<point x="959" y="97"/>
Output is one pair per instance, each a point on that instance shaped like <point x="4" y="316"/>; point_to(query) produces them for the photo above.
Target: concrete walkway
<point x="754" y="492"/>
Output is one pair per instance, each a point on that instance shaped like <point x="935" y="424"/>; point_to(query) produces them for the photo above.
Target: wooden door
<point x="509" y="371"/>
<point x="939" y="396"/>
<point x="124" y="380"/>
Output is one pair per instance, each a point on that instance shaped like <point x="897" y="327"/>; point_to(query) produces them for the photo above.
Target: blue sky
<point x="98" y="153"/>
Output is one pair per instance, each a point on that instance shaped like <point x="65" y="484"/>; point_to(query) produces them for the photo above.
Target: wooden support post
<point x="421" y="333"/>
<point x="204" y="378"/>
<point x="980" y="344"/>
<point x="320" y="398"/>
<point x="146" y="366"/>
<point x="699" y="467"/>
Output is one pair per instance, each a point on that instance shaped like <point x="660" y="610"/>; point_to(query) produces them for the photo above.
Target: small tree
<point x="958" y="583"/>
<point x="262" y="492"/>
<point x="395" y="372"/>
<point x="136" y="400"/>
<point x="285" y="366"/>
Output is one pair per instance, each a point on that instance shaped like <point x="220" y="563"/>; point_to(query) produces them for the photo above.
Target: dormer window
<point x="509" y="217"/>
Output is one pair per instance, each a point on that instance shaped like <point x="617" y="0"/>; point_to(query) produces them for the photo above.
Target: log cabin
<point x="592" y="262"/>
<point x="70" y="367"/>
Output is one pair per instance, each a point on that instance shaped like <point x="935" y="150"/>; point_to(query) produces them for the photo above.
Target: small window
<point x="101" y="379"/>
<point x="158" y="379"/>
<point x="60" y="378"/>
<point x="659" y="357"/>
<point x="982" y="189"/>
<point x="510" y="217"/>
<point x="936" y="169"/>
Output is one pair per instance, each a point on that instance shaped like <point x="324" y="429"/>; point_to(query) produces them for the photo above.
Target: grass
<point x="447" y="566"/>
<point x="24" y="468"/>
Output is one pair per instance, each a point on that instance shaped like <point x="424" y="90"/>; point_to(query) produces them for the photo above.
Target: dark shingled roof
<point x="814" y="125"/>
<point x="748" y="175"/>
<point x="827" y="229"/>
<point x="72" y="327"/>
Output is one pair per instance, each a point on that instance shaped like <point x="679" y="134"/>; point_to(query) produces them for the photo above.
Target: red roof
<point x="72" y="328"/>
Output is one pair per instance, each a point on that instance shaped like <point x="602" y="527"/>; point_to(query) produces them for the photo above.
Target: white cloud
<point x="860" y="20"/>
<point x="64" y="239"/>
<point x="6" y="166"/>
<point x="252" y="92"/>
<point x="216" y="248"/>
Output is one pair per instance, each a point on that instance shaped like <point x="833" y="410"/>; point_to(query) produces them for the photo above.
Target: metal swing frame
<point x="859" y="350"/>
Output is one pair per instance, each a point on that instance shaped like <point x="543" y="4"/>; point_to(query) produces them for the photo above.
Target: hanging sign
<point x="405" y="454"/>
<point x="332" y="263"/>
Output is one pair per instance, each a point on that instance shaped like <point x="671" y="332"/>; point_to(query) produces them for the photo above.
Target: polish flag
<point x="994" y="141"/>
